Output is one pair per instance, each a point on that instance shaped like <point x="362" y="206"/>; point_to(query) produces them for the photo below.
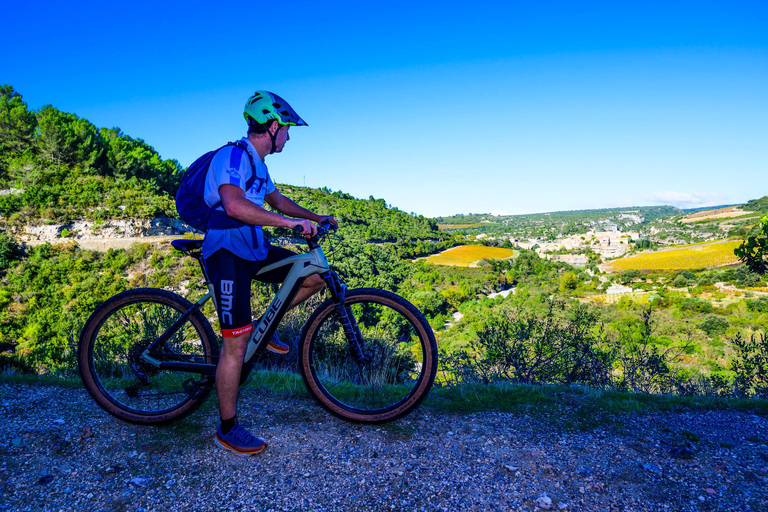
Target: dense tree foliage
<point x="17" y="123"/>
<point x="757" y="205"/>
<point x="9" y="250"/>
<point x="373" y="221"/>
<point x="754" y="250"/>
<point x="56" y="166"/>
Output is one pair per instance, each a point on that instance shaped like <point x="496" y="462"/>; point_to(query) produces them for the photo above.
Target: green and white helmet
<point x="264" y="106"/>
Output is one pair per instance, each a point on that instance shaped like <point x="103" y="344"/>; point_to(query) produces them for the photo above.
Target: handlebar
<point x="323" y="229"/>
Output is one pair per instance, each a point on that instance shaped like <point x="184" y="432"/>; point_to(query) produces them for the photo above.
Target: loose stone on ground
<point x="428" y="461"/>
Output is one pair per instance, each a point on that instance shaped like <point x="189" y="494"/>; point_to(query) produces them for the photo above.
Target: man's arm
<point x="238" y="207"/>
<point x="288" y="207"/>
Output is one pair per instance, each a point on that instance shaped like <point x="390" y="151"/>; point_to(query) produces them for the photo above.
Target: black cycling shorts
<point x="231" y="277"/>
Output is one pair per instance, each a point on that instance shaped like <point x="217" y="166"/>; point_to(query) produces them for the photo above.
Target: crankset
<point x="196" y="388"/>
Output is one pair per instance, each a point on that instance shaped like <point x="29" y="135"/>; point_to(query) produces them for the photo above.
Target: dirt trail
<point x="59" y="451"/>
<point x="104" y="244"/>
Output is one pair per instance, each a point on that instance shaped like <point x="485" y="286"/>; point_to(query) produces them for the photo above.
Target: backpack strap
<point x="249" y="181"/>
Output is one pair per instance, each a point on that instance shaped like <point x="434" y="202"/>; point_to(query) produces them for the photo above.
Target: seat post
<point x="199" y="257"/>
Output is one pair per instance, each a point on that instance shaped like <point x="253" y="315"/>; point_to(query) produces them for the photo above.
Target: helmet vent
<point x="265" y="111"/>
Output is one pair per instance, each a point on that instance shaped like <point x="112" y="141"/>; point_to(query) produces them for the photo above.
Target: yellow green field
<point x="713" y="254"/>
<point x="465" y="255"/>
<point x="457" y="226"/>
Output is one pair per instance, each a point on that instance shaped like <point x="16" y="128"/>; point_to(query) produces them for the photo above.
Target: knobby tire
<point x="397" y="338"/>
<point x="114" y="337"/>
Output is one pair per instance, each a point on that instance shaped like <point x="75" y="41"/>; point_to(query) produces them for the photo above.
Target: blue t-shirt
<point x="231" y="166"/>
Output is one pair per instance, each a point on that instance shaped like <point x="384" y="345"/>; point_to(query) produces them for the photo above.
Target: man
<point x="234" y="256"/>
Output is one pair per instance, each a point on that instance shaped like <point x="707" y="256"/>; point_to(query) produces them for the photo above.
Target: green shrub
<point x="714" y="325"/>
<point x="696" y="305"/>
<point x="628" y="276"/>
<point x="687" y="274"/>
<point x="10" y="250"/>
<point x="751" y="366"/>
<point x="759" y="304"/>
<point x="568" y="281"/>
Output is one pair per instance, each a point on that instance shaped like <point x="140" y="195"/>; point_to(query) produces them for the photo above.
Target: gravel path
<point x="59" y="451"/>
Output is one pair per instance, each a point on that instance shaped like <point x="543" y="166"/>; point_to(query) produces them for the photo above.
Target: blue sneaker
<point x="275" y="346"/>
<point x="240" y="441"/>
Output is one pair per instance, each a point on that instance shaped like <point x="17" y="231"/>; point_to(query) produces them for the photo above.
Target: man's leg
<point x="228" y="373"/>
<point x="231" y="281"/>
<point x="311" y="286"/>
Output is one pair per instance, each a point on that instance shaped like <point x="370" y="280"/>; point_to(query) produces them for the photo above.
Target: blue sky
<point x="440" y="107"/>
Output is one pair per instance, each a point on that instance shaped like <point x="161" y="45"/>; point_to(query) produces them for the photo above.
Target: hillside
<point x="660" y="225"/>
<point x="64" y="179"/>
<point x="61" y="171"/>
<point x="57" y="167"/>
<point x="679" y="330"/>
<point x="551" y="225"/>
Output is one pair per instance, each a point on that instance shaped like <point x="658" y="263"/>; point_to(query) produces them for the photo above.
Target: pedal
<point x="133" y="390"/>
<point x="195" y="389"/>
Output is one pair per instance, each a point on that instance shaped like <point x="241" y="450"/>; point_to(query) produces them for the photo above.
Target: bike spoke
<point x="121" y="340"/>
<point x="396" y="355"/>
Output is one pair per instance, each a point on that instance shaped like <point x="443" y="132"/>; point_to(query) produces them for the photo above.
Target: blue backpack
<point x="190" y="203"/>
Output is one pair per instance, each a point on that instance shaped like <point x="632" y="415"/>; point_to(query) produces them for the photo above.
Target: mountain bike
<point x="367" y="355"/>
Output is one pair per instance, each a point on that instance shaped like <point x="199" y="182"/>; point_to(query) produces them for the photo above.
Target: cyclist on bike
<point x="234" y="256"/>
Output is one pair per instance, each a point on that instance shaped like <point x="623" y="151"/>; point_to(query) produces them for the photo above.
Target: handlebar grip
<point x="327" y="224"/>
<point x="298" y="229"/>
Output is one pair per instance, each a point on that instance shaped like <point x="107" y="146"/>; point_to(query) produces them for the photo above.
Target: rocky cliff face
<point x="84" y="230"/>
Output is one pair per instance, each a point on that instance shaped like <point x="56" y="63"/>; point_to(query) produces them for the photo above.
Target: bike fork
<point x="348" y="323"/>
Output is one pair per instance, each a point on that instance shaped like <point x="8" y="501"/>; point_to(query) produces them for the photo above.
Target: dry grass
<point x="713" y="254"/>
<point x="719" y="213"/>
<point x="466" y="255"/>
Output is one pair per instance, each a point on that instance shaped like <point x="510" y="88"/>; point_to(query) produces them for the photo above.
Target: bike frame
<point x="302" y="266"/>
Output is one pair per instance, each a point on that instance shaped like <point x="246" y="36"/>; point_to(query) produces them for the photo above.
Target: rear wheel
<point x="121" y="381"/>
<point x="399" y="348"/>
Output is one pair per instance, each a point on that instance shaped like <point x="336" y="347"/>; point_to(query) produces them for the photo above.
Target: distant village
<point x="603" y="237"/>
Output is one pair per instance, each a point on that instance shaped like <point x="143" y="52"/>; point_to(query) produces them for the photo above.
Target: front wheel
<point x="121" y="380"/>
<point x="399" y="363"/>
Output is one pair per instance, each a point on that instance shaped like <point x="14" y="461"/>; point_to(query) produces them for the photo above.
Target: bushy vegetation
<point x="47" y="296"/>
<point x="754" y="250"/>
<point x="568" y="344"/>
<point x="56" y="166"/>
<point x="559" y="325"/>
<point x="371" y="222"/>
<point x="751" y="368"/>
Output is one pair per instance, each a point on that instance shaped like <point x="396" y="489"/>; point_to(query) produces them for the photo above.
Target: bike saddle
<point x="187" y="245"/>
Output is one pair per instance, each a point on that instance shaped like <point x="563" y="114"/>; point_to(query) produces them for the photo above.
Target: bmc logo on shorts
<point x="227" y="288"/>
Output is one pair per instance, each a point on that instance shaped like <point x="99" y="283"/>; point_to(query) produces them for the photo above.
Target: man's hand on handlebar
<point x="329" y="219"/>
<point x="305" y="228"/>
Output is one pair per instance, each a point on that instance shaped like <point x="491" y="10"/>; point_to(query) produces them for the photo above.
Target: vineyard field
<point x="465" y="255"/>
<point x="715" y="254"/>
